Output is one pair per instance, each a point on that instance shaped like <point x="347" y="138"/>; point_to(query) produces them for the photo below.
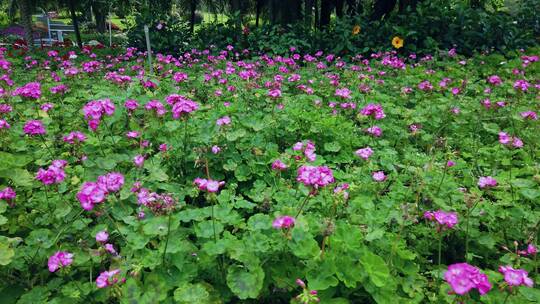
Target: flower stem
<point x="184" y="152"/>
<point x="115" y="225"/>
<point x="167" y="238"/>
<point x="302" y="206"/>
<point x="439" y="248"/>
<point x="46" y="146"/>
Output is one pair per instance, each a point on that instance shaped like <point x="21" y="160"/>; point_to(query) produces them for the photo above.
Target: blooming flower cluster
<point x="181" y="105"/>
<point x="225" y="120"/>
<point x="506" y="139"/>
<point x="34" y="127"/>
<point x="158" y="203"/>
<point x="374" y="110"/>
<point x="93" y="193"/>
<point x="108" y="278"/>
<point x="487" y="182"/>
<point x="278" y="165"/>
<point x="378" y="176"/>
<point x="342" y="190"/>
<point x="8" y="195"/>
<point x="283" y="222"/>
<point x="463" y="277"/>
<point x="444" y="219"/>
<point x="374" y="131"/>
<point x="74" y="138"/>
<point x="95" y="109"/>
<point x="59" y="260"/>
<point x="516" y="277"/>
<point x="208" y="184"/>
<point x="30" y="90"/>
<point x="54" y="174"/>
<point x="364" y="153"/>
<point x="308" y="149"/>
<point x="313" y="176"/>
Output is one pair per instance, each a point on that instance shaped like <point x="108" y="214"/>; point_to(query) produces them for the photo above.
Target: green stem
<point x="506" y="298"/>
<point x="111" y="133"/>
<point x="302" y="206"/>
<point x="115" y="224"/>
<point x="167" y="238"/>
<point x="442" y="180"/>
<point x="439" y="248"/>
<point x="184" y="152"/>
<point x="46" y="146"/>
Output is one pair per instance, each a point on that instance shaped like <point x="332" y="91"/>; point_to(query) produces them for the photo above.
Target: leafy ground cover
<point x="225" y="178"/>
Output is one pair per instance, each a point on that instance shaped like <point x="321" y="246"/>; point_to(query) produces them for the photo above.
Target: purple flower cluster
<point x="31" y="90"/>
<point x="516" y="277"/>
<point x="54" y="174"/>
<point x="463" y="277"/>
<point x="364" y="153"/>
<point x="158" y="203"/>
<point x="374" y="110"/>
<point x="59" y="260"/>
<point x="313" y="176"/>
<point x="74" y="138"/>
<point x="506" y="139"/>
<point x="157" y="106"/>
<point x="95" y="109"/>
<point x="108" y="278"/>
<point x="181" y="105"/>
<point x="34" y="127"/>
<point x="8" y="195"/>
<point x="283" y="222"/>
<point x="208" y="184"/>
<point x="308" y="149"/>
<point x="487" y="182"/>
<point x="278" y="165"/>
<point x="448" y="219"/>
<point x="93" y="193"/>
<point x="225" y="120"/>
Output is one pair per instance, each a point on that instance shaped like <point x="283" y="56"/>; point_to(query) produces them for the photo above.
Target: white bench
<point x="54" y="27"/>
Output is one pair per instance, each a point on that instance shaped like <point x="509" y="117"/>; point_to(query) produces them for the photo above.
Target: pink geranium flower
<point x="283" y="222"/>
<point x="463" y="277"/>
<point x="59" y="260"/>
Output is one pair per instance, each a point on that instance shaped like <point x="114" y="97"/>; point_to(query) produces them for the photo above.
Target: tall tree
<point x="258" y="7"/>
<point x="192" y="11"/>
<point x="308" y="12"/>
<point x="339" y="7"/>
<point x="71" y="4"/>
<point x="326" y="12"/>
<point x="351" y="7"/>
<point x="382" y="8"/>
<point x="26" y="21"/>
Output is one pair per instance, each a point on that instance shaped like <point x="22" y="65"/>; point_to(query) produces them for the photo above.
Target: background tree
<point x="25" y="7"/>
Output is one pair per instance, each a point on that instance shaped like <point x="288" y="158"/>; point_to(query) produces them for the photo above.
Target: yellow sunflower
<point x="356" y="30"/>
<point x="397" y="42"/>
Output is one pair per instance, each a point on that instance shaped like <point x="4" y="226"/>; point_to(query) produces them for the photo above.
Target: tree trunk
<point x="26" y="21"/>
<point x="258" y="6"/>
<point x="351" y="7"/>
<point x="339" y="7"/>
<point x="308" y="12"/>
<point x="326" y="12"/>
<point x="476" y="3"/>
<point x="382" y="8"/>
<point x="75" y="23"/>
<point x="99" y="14"/>
<point x="192" y="11"/>
<point x="317" y="16"/>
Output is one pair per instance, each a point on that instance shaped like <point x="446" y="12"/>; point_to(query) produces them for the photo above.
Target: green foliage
<point x="372" y="245"/>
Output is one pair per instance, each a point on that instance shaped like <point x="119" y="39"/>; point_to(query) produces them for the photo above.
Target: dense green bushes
<point x="433" y="25"/>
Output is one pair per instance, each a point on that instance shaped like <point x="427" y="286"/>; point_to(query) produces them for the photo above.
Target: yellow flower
<point x="356" y="30"/>
<point x="397" y="42"/>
